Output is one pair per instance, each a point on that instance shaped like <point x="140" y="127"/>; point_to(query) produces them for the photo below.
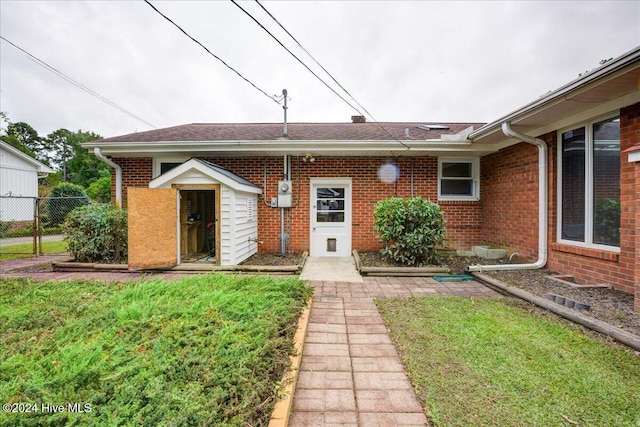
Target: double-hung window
<point x="458" y="179"/>
<point x="589" y="184"/>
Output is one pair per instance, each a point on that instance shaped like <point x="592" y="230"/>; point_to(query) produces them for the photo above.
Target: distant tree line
<point x="61" y="151"/>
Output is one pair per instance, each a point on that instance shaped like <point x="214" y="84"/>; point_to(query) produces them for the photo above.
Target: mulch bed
<point x="609" y="305"/>
<point x="273" y="259"/>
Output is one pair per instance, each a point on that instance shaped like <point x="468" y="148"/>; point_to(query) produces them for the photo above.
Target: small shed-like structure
<point x="19" y="175"/>
<point x="196" y="212"/>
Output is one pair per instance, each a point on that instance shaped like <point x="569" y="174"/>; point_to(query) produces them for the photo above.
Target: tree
<point x="25" y="138"/>
<point x="59" y="150"/>
<point x="84" y="168"/>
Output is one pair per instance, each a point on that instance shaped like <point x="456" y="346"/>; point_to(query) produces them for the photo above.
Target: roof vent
<point x="432" y="126"/>
<point x="358" y="119"/>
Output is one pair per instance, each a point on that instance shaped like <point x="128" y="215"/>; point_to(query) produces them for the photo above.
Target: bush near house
<point x="411" y="228"/>
<point x="63" y="199"/>
<point x="97" y="233"/>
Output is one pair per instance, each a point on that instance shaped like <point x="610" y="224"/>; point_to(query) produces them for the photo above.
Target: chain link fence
<point x="33" y="225"/>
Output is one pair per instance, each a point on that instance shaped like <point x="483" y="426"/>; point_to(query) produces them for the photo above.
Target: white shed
<point x="19" y="175"/>
<point x="214" y="217"/>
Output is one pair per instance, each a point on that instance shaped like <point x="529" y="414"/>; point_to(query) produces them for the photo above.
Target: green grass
<point x="204" y="350"/>
<point x="488" y="362"/>
<point x="25" y="250"/>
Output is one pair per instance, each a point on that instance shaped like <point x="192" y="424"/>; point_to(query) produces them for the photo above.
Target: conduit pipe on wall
<point x="542" y="205"/>
<point x="98" y="153"/>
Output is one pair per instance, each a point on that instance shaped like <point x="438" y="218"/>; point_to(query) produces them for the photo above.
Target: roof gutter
<point x="98" y="153"/>
<point x="542" y="205"/>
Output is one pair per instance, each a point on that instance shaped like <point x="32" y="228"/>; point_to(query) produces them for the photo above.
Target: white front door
<point x="330" y="217"/>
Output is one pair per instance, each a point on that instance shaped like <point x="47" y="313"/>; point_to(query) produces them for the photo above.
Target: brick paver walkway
<point x="351" y="374"/>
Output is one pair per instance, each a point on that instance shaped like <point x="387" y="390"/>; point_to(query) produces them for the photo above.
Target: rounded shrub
<point x="97" y="233"/>
<point x="100" y="190"/>
<point x="411" y="228"/>
<point x="63" y="199"/>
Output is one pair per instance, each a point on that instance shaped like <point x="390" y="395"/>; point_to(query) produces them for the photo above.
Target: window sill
<point x="459" y="202"/>
<point x="607" y="255"/>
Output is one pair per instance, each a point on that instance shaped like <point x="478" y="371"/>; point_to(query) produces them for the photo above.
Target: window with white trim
<point x="458" y="179"/>
<point x="165" y="164"/>
<point x="589" y="184"/>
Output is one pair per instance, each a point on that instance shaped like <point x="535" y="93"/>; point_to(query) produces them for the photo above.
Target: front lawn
<point x="493" y="362"/>
<point x="25" y="250"/>
<point x="204" y="350"/>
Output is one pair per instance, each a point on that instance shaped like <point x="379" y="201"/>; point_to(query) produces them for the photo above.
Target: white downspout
<point x="542" y="205"/>
<point x="98" y="153"/>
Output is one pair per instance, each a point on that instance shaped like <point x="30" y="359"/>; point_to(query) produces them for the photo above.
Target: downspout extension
<point x="542" y="205"/>
<point x="98" y="153"/>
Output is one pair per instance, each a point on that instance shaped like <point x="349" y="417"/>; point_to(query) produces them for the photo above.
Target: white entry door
<point x="330" y="217"/>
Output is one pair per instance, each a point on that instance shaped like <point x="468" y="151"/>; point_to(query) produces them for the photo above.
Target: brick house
<point x="557" y="182"/>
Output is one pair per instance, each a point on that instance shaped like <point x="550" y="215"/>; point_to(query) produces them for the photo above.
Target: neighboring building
<point x="19" y="174"/>
<point x="580" y="216"/>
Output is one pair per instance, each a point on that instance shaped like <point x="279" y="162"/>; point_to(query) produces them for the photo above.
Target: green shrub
<point x="63" y="199"/>
<point x="410" y="228"/>
<point x="97" y="233"/>
<point x="100" y="190"/>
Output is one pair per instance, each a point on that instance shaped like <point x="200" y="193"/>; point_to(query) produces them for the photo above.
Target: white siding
<point x="226" y="223"/>
<point x="17" y="178"/>
<point x="246" y="226"/>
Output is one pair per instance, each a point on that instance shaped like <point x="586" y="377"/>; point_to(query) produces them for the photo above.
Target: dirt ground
<point x="273" y="259"/>
<point x="609" y="305"/>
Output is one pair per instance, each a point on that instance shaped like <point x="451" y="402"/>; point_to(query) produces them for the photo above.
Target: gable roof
<point x="209" y="170"/>
<point x="296" y="132"/>
<point x="325" y="139"/>
<point x="39" y="167"/>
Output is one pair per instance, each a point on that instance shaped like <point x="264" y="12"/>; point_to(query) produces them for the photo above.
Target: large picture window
<point x="458" y="179"/>
<point x="589" y="184"/>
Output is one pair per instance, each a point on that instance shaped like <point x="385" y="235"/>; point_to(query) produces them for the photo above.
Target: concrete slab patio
<point x="351" y="374"/>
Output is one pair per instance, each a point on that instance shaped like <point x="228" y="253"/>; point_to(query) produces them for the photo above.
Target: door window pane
<point x="606" y="182"/>
<point x="330" y="204"/>
<point x="330" y="193"/>
<point x="573" y="184"/>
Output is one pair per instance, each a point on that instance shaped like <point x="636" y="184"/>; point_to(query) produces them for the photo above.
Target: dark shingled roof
<point x="297" y="132"/>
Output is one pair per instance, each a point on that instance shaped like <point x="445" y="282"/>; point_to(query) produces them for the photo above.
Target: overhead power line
<point x="292" y="54"/>
<point x="77" y="84"/>
<point x="314" y="59"/>
<point x="320" y="65"/>
<point x="211" y="53"/>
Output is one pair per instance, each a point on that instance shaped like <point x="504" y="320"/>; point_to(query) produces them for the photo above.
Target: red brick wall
<point x="464" y="218"/>
<point x="509" y="194"/>
<point x="637" y="240"/>
<point x="509" y="209"/>
<point x="136" y="172"/>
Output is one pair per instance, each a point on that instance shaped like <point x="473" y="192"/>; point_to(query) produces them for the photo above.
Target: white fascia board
<point x="286" y="147"/>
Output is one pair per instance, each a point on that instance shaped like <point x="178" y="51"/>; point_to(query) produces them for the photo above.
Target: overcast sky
<point x="403" y="61"/>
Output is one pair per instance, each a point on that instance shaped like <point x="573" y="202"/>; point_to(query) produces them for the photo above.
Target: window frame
<point x="157" y="163"/>
<point x="589" y="214"/>
<point x="475" y="178"/>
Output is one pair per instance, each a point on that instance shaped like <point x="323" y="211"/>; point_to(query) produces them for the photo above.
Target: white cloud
<point x="404" y="61"/>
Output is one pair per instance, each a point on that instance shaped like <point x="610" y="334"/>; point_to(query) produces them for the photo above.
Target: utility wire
<point x="292" y="54"/>
<point x="314" y="59"/>
<point x="320" y="65"/>
<point x="75" y="83"/>
<point x="211" y="53"/>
